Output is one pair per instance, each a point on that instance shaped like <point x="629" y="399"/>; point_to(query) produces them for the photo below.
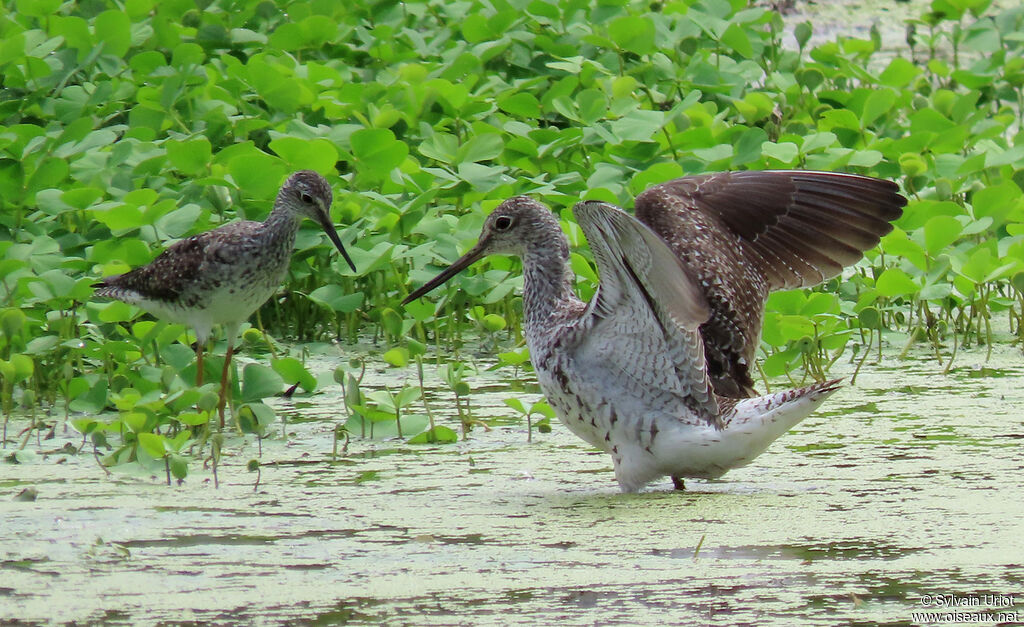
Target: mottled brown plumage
<point x="224" y="275"/>
<point x="742" y="235"/>
<point x="628" y="371"/>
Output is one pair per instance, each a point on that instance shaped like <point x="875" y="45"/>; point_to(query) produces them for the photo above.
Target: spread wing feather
<point x="741" y="235"/>
<point x="644" y="318"/>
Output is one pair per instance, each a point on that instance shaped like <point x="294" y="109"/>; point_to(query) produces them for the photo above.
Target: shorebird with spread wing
<point x="655" y="369"/>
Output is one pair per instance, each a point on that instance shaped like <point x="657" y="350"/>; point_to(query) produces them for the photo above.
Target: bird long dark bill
<point x="333" y="235"/>
<point x="463" y="262"/>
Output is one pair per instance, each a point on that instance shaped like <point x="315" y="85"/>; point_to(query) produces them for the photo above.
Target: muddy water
<point x="855" y="18"/>
<point x="907" y="484"/>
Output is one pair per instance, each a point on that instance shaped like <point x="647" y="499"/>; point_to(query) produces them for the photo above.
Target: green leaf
<point x="179" y="466"/>
<point x="522" y="104"/>
<point x="543" y="9"/>
<point x="515" y="404"/>
<point x="82" y="197"/>
<point x="121" y="218"/>
<point x="895" y="282"/>
<point x="542" y="408"/>
<point x="377" y="151"/>
<point x="408" y="395"/>
<point x="113" y="28"/>
<point x="787" y="301"/>
<point x="42" y="345"/>
<point x="817" y="141"/>
<point x="415" y="347"/>
<point x="255" y="417"/>
<point x="193" y="419"/>
<point x="153" y="444"/>
<point x="438" y="435"/>
<point x="288" y="36"/>
<point x="397" y="357"/>
<point x="22" y="368"/>
<point x="306" y="154"/>
<point x="37" y="8"/>
<point x="780" y="363"/>
<point x="803" y="32"/>
<point x="92" y="399"/>
<point x="179" y="222"/>
<point x="334" y="297"/>
<point x="794" y="327"/>
<point x="912" y="164"/>
<point x="638" y="125"/>
<point x="481" y="148"/>
<point x="736" y="38"/>
<point x="115" y="311"/>
<point x="475" y="29"/>
<point x="12" y="323"/>
<point x="493" y="323"/>
<point x="755" y="106"/>
<point x="275" y="84"/>
<point x="940" y="232"/>
<point x="259" y="382"/>
<point x="820" y="303"/>
<point x="786" y="152"/>
<point x="85" y="426"/>
<point x="657" y="173"/>
<point x="633" y="33"/>
<point x="421" y="309"/>
<point x="292" y="371"/>
<point x="997" y="201"/>
<point x="50" y="173"/>
<point x="878" y="103"/>
<point x="74" y="30"/>
<point x="483" y="178"/>
<point x="191" y="157"/>
<point x="838" y="119"/>
<point x="256" y="173"/>
<point x="899" y="73"/>
<point x="514" y="358"/>
<point x="592" y="105"/>
<point x="136" y="422"/>
<point x="982" y="266"/>
<point x="391" y="320"/>
<point x="865" y="158"/>
<point x="1018" y="282"/>
<point x="870" y="318"/>
<point x="187" y="55"/>
<point x="138" y="9"/>
<point x="810" y="78"/>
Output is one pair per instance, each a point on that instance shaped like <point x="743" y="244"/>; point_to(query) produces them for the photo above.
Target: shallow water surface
<point x="907" y="484"/>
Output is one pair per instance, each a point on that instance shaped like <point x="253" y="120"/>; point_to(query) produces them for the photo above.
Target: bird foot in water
<point x="678" y="484"/>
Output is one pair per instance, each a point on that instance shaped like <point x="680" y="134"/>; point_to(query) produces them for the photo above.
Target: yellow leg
<point x="225" y="375"/>
<point x="199" y="364"/>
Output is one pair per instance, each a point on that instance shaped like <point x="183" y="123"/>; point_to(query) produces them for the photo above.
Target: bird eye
<point x="306" y="198"/>
<point x="503" y="223"/>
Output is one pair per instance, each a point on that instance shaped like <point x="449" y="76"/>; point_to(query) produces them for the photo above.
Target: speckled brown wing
<point x="742" y="235"/>
<point x="164" y="278"/>
<point x="173" y="272"/>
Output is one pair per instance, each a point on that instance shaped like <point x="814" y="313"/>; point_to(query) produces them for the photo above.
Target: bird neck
<point x="282" y="223"/>
<point x="547" y="286"/>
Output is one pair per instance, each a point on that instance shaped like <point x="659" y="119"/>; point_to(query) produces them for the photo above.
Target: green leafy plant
<point x="128" y="126"/>
<point x="540" y="407"/>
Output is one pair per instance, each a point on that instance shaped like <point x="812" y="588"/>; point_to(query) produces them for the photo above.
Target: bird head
<point x="517" y="226"/>
<point x="308" y="194"/>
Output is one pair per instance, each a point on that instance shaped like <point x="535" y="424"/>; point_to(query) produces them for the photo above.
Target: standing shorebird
<point x="223" y="275"/>
<point x="655" y="369"/>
